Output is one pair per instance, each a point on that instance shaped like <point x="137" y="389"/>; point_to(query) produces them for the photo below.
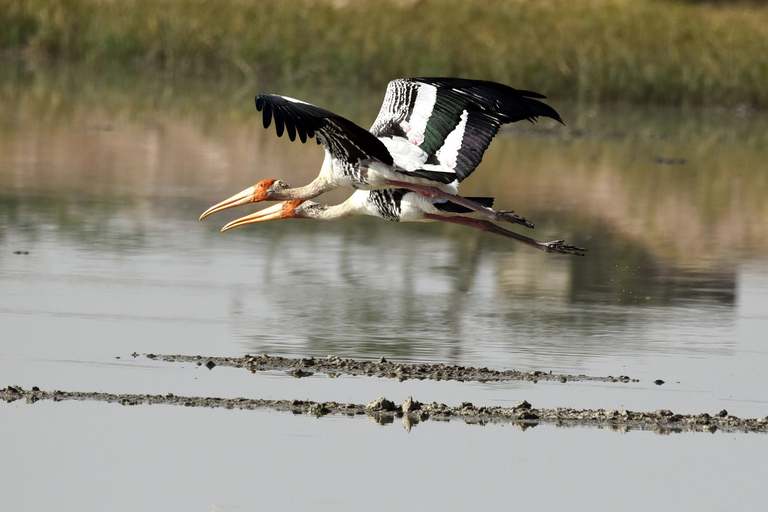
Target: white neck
<point x="314" y="189"/>
<point x="355" y="205"/>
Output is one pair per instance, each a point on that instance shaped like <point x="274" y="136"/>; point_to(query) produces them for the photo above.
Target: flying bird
<point x="397" y="205"/>
<point x="430" y="134"/>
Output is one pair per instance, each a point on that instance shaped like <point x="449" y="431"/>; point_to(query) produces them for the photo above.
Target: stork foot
<point x="560" y="247"/>
<point x="511" y="216"/>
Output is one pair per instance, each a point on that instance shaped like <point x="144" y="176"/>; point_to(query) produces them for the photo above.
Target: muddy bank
<point x="412" y="412"/>
<point x="334" y="365"/>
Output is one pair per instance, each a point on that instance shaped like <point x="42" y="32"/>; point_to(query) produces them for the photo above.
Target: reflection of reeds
<point x="684" y="184"/>
<point x="602" y="49"/>
<point x="709" y="207"/>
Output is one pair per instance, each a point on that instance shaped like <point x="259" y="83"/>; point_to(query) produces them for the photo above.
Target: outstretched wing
<point x="454" y="119"/>
<point x="420" y="112"/>
<point x="465" y="146"/>
<point x="341" y="137"/>
<point x="515" y="104"/>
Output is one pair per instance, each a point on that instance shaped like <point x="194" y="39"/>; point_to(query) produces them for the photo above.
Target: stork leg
<point x="483" y="225"/>
<point x="434" y="192"/>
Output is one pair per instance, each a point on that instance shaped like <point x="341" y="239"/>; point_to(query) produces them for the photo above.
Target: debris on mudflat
<point x="335" y="365"/>
<point x="382" y="404"/>
<point x="410" y="405"/>
<point x="384" y="411"/>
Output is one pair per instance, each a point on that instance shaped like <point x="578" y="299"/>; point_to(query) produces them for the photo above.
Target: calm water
<point x="102" y="186"/>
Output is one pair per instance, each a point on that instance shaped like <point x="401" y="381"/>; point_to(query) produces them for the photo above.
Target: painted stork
<point x="398" y="205"/>
<point x="430" y="134"/>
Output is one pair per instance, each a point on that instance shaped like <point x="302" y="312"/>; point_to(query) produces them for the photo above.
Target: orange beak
<point x="241" y="198"/>
<point x="253" y="194"/>
<point x="284" y="210"/>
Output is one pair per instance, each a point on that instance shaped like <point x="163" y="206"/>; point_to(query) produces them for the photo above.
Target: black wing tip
<point x="506" y="93"/>
<point x="463" y="82"/>
<point x="551" y="114"/>
<point x="531" y="94"/>
<point x="274" y="106"/>
<point x="306" y="121"/>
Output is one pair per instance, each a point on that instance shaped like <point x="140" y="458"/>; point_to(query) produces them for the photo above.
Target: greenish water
<point x="102" y="183"/>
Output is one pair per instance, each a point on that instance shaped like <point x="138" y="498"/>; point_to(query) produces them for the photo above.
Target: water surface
<point x="102" y="256"/>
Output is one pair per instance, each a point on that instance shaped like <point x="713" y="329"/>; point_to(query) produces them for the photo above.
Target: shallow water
<point x="104" y="456"/>
<point x="103" y="193"/>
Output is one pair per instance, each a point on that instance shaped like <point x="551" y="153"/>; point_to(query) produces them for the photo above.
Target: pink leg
<point x="484" y="225"/>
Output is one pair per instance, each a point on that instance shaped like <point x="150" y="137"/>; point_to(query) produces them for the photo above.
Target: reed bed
<point x="645" y="50"/>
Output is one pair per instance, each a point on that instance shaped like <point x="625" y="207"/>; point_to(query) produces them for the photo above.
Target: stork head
<point x="294" y="209"/>
<point x="265" y="190"/>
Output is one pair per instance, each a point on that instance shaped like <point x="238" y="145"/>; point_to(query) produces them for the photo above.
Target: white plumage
<point x="395" y="205"/>
<point x="429" y="135"/>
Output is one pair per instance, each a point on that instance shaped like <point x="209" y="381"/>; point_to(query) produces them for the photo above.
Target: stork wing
<point x="465" y="146"/>
<point x="341" y="137"/>
<point x="427" y="110"/>
<point x="423" y="113"/>
<point x="514" y="104"/>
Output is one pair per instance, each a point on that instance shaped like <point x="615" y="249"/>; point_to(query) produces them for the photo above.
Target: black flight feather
<point x="447" y="206"/>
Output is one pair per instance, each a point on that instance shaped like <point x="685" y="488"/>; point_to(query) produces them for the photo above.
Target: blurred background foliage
<point x="665" y="51"/>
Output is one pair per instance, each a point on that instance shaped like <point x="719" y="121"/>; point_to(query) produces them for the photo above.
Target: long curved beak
<point x="241" y="198"/>
<point x="284" y="210"/>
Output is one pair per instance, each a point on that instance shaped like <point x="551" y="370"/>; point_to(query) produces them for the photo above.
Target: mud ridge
<point x="412" y="412"/>
<point x="334" y="366"/>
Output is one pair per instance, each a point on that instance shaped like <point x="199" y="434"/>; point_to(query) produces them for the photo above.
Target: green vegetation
<point x="644" y="50"/>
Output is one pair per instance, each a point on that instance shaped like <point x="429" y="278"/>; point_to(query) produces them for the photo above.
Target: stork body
<point x="430" y="134"/>
<point x="397" y="205"/>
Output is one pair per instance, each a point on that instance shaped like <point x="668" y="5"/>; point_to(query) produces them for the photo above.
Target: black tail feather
<point x="439" y="177"/>
<point x="455" y="208"/>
